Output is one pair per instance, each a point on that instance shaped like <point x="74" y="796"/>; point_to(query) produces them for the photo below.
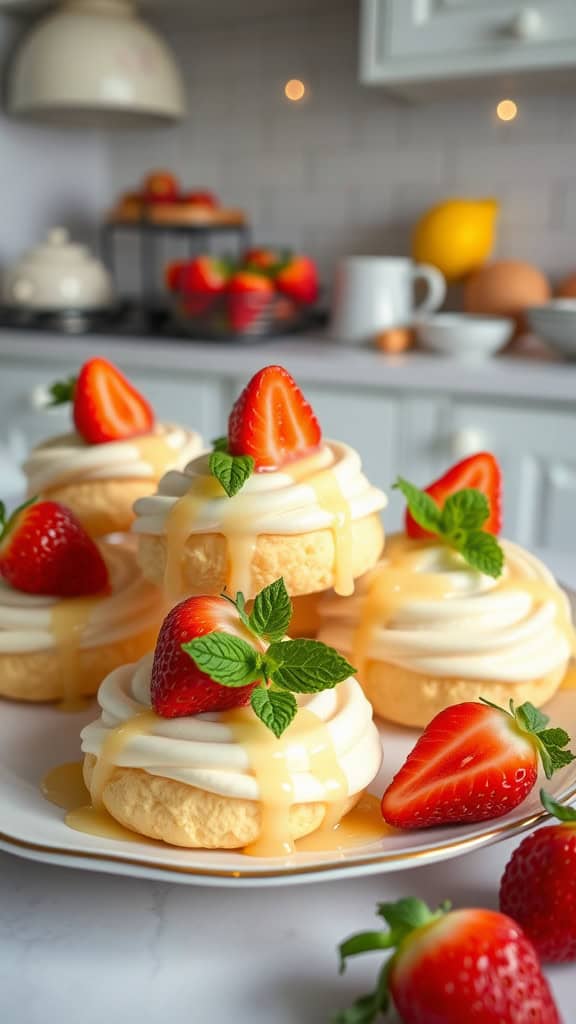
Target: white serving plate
<point x="33" y="739"/>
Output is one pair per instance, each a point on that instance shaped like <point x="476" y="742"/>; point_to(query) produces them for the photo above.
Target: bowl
<point x="464" y="336"/>
<point x="556" y="323"/>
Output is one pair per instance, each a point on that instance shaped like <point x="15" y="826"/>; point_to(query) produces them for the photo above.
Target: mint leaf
<point x="62" y="391"/>
<point x="227" y="659"/>
<point x="549" y="742"/>
<point x="275" y="708"/>
<point x="272" y="611"/>
<point x="530" y="718"/>
<point x="220" y="444"/>
<point x="232" y="471"/>
<point x="483" y="552"/>
<point x="466" y="510"/>
<point x="305" y="666"/>
<point x="422" y="507"/>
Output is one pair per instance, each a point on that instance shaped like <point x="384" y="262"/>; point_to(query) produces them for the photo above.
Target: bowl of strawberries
<point x="267" y="292"/>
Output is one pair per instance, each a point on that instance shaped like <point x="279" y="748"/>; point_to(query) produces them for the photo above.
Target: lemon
<point x="456" y="236"/>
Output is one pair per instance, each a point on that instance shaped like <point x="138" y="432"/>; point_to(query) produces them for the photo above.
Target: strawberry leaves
<point x="549" y="743"/>
<point x="285" y="668"/>
<point x="459" y="523"/>
<point x="62" y="391"/>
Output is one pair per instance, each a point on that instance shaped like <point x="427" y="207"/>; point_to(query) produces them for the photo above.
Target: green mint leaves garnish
<point x="62" y="391"/>
<point x="285" y="668"/>
<point x="403" y="918"/>
<point x="272" y="611"/>
<point x="548" y="742"/>
<point x="220" y="444"/>
<point x="232" y="471"/>
<point x="459" y="523"/>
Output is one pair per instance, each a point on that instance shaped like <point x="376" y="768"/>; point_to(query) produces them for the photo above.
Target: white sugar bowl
<point x="58" y="275"/>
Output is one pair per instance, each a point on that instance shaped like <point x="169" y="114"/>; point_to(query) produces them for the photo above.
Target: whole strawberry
<point x="45" y="550"/>
<point x="473" y="762"/>
<point x="458" y="967"/>
<point x="538" y="887"/>
<point x="178" y="686"/>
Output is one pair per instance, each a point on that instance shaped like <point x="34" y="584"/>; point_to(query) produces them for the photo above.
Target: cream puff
<point x="275" y="500"/>
<point x="55" y="647"/>
<point x="171" y="759"/>
<point x="427" y="629"/>
<point x="117" y="454"/>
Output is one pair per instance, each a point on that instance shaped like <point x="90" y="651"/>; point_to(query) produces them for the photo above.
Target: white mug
<point x="374" y="293"/>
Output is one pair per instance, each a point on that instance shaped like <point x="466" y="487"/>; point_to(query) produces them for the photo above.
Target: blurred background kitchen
<point x="381" y="195"/>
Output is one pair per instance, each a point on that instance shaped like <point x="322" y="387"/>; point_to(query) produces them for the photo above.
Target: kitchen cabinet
<point x="412" y="416"/>
<point x="404" y="41"/>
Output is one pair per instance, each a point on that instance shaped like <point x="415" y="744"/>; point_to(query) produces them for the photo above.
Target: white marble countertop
<point x="83" y="948"/>
<point x="309" y="357"/>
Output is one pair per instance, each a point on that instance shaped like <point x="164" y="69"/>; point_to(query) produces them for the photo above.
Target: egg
<point x="506" y="288"/>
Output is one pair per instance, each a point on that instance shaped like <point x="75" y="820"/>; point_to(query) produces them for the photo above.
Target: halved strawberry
<point x="45" y="550"/>
<point x="272" y="421"/>
<point x="178" y="687"/>
<point x="107" y="407"/>
<point x="481" y="472"/>
<point x="473" y="762"/>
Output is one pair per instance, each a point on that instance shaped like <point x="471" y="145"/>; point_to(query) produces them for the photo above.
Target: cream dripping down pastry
<point x="70" y="610"/>
<point x="178" y="756"/>
<point x="274" y="499"/>
<point x="428" y="628"/>
<point x="117" y="453"/>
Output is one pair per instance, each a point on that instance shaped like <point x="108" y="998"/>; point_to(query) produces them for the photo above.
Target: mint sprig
<point x="459" y="523"/>
<point x="287" y="667"/>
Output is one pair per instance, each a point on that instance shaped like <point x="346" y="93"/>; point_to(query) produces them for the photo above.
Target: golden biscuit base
<point x="410" y="698"/>
<point x="183" y="815"/>
<point x="305" y="560"/>
<point x="40" y="675"/>
<point x="102" y="506"/>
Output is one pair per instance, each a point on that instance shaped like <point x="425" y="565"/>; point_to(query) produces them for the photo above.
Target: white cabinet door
<point x="411" y="40"/>
<point x="537" y="450"/>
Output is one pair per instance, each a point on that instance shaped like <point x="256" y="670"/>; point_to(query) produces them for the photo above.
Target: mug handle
<point x="436" y="284"/>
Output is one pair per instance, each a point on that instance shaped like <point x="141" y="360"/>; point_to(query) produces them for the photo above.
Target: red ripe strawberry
<point x="249" y="294"/>
<point x="172" y="275"/>
<point x="269" y="260"/>
<point x="200" y="197"/>
<point x="45" y="550"/>
<point x="480" y="472"/>
<point x="178" y="687"/>
<point x="272" y="421"/>
<point x="161" y="187"/>
<point x="107" y="407"/>
<point x="299" y="280"/>
<point x="538" y="888"/>
<point x="204" y="274"/>
<point x="473" y="762"/>
<point x="463" y="967"/>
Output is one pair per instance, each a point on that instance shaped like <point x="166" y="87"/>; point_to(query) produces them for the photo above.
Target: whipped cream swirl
<point x="432" y="613"/>
<point x="288" y="500"/>
<point x="202" y="751"/>
<point x="132" y="606"/>
<point x="69" y="459"/>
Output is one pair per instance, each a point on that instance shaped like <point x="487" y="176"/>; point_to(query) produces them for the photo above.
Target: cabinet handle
<point x="526" y="25"/>
<point x="468" y="441"/>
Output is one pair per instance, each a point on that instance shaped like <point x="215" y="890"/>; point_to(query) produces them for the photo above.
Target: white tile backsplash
<point x="349" y="170"/>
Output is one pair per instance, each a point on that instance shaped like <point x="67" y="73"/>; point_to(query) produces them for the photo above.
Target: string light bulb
<point x="506" y="110"/>
<point x="295" y="90"/>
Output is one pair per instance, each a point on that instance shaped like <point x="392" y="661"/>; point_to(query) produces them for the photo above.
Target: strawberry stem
<point x="560" y="811"/>
<point x="62" y="391"/>
<point x="7" y="523"/>
<point x="549" y="743"/>
<point x="404" y="918"/>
